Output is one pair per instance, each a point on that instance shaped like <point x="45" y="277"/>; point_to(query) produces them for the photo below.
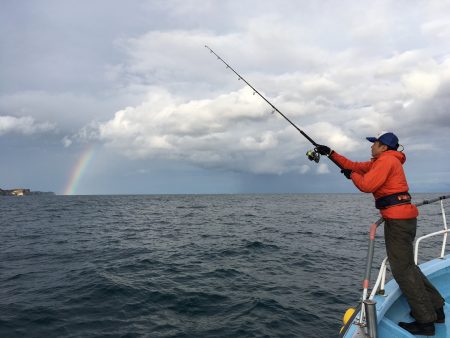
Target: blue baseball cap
<point x="387" y="138"/>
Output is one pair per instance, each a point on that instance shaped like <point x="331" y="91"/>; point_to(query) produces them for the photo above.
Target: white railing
<point x="378" y="287"/>
<point x="442" y="232"/>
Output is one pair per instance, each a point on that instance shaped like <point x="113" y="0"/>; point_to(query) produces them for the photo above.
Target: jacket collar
<point x="394" y="153"/>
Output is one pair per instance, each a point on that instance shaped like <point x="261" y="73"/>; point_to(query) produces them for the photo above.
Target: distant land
<point x="23" y="192"/>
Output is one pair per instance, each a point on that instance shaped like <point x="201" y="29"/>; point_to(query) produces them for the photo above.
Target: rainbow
<point x="78" y="171"/>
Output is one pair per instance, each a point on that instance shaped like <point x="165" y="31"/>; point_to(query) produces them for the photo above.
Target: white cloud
<point x="304" y="169"/>
<point x="230" y="131"/>
<point x="439" y="28"/>
<point x="338" y="96"/>
<point x="422" y="84"/>
<point x="322" y="168"/>
<point x="400" y="62"/>
<point x="23" y="125"/>
<point x="67" y="142"/>
<point x="264" y="142"/>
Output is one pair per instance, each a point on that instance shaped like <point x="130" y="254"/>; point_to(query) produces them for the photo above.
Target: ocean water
<point x="185" y="265"/>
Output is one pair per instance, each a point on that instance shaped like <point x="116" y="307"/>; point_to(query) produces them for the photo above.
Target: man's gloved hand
<point x="347" y="173"/>
<point x="323" y="150"/>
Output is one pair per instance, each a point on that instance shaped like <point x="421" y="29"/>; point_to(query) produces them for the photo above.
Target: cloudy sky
<point x="108" y="96"/>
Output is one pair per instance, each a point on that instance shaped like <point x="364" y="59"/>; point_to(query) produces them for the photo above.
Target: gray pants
<point x="422" y="296"/>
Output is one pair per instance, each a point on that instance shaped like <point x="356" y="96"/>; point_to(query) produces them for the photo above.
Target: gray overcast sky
<point x="102" y="96"/>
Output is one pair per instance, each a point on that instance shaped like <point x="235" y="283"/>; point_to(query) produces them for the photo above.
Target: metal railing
<point x="442" y="232"/>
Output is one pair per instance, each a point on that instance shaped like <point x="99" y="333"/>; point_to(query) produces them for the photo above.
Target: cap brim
<point x="371" y="139"/>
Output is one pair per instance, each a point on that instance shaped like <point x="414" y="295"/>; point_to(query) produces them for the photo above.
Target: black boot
<point x="422" y="329"/>
<point x="440" y="315"/>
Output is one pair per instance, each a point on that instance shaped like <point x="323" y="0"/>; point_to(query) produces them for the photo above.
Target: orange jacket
<point x="381" y="176"/>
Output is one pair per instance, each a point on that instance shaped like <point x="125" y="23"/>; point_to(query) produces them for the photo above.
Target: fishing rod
<point x="313" y="155"/>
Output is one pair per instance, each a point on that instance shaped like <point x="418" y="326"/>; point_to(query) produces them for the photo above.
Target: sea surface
<point x="186" y="265"/>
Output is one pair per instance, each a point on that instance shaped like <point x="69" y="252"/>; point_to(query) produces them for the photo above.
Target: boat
<point x="379" y="311"/>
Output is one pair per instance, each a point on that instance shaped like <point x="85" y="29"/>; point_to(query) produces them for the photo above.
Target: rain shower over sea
<point x="184" y="265"/>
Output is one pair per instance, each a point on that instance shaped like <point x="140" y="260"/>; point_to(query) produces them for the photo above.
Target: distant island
<point x="23" y="192"/>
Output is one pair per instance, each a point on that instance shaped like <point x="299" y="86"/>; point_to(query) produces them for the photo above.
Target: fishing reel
<point x="313" y="155"/>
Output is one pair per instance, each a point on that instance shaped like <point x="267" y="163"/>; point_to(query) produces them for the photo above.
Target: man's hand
<point x="323" y="150"/>
<point x="347" y="173"/>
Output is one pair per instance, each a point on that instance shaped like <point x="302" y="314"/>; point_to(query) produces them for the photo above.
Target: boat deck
<point x="392" y="307"/>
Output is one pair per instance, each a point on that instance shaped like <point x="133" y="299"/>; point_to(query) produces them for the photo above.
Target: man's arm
<point x="375" y="177"/>
<point x="359" y="167"/>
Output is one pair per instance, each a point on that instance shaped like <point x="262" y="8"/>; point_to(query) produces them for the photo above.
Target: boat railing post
<point x="383" y="279"/>
<point x="373" y="230"/>
<point x="371" y="315"/>
<point x="444" y="219"/>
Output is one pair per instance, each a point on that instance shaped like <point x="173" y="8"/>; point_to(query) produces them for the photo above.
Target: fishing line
<point x="313" y="155"/>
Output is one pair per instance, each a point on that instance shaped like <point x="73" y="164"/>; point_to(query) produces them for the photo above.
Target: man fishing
<point x="384" y="177"/>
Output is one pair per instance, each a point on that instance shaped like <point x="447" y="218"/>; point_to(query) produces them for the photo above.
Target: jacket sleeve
<point x="359" y="167"/>
<point x="375" y="177"/>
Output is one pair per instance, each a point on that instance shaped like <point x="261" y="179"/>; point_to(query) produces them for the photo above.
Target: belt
<point x="394" y="199"/>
